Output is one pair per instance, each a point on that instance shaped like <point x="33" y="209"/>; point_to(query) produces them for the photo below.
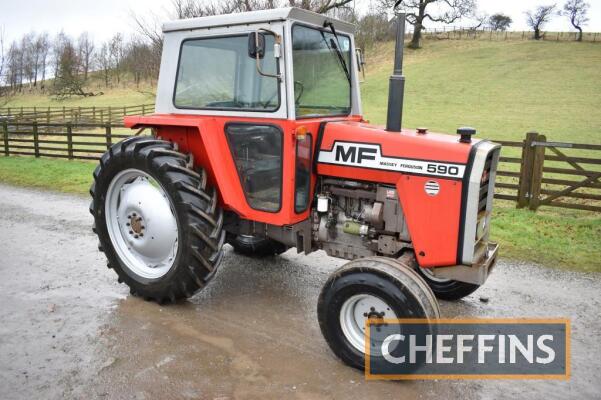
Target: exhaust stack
<point x="396" y="87"/>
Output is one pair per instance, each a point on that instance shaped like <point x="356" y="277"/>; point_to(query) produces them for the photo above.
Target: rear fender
<point x="211" y="153"/>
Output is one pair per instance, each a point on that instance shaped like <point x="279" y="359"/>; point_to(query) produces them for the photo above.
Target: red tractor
<point x="259" y="141"/>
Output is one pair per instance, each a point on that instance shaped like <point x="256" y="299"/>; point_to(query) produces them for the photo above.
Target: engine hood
<point x="362" y="151"/>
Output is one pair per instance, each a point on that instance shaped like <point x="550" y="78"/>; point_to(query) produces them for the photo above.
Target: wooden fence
<point x="533" y="172"/>
<point x="459" y="33"/>
<point x="69" y="140"/>
<point x="75" y="115"/>
<point x="556" y="174"/>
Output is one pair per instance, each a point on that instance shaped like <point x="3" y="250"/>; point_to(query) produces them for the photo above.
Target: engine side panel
<point x="427" y="171"/>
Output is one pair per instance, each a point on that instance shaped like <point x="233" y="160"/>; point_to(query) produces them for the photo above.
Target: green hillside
<point x="503" y="89"/>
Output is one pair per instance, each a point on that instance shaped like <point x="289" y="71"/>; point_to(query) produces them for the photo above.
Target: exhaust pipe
<point x="396" y="87"/>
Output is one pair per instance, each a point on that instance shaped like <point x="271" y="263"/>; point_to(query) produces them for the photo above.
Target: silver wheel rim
<point x="141" y="223"/>
<point x="430" y="275"/>
<point x="355" y="311"/>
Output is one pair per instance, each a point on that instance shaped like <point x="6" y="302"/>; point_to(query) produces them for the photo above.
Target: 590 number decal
<point x="442" y="169"/>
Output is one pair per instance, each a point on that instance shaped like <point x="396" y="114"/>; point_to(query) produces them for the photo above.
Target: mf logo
<point x="354" y="154"/>
<point x="369" y="155"/>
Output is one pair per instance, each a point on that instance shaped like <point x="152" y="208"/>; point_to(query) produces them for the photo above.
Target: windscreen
<point x="321" y="75"/>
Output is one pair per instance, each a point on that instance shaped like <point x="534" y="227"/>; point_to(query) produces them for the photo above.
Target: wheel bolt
<point x="141" y="234"/>
<point x="128" y="224"/>
<point x="131" y="232"/>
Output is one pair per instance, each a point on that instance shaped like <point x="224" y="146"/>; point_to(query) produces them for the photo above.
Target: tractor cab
<point x="278" y="64"/>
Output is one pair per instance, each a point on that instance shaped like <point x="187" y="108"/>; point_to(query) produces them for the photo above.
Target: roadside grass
<point x="58" y="175"/>
<point x="568" y="240"/>
<point x="565" y="239"/>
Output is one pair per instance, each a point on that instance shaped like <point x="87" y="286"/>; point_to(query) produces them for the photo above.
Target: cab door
<point x="257" y="151"/>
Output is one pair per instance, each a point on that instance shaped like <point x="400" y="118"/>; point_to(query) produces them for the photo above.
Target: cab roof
<point x="254" y="17"/>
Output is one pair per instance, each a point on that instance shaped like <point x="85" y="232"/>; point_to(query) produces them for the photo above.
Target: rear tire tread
<point x="200" y="219"/>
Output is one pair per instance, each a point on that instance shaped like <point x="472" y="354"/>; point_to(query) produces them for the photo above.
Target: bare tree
<point x="29" y="58"/>
<point x="576" y="11"/>
<point x="43" y="45"/>
<point x="2" y="59"/>
<point x="420" y="11"/>
<point x="116" y="53"/>
<point x="537" y="18"/>
<point x="479" y="20"/>
<point x="13" y="67"/>
<point x="58" y="47"/>
<point x="103" y="62"/>
<point x="85" y="50"/>
<point x="36" y="50"/>
<point x="499" y="22"/>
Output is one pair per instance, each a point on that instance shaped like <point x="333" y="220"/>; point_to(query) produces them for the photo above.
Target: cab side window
<point x="302" y="180"/>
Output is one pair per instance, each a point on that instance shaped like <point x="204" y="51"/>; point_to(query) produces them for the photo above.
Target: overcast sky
<point x="103" y="18"/>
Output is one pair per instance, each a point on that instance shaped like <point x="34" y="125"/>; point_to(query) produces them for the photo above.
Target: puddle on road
<point x="253" y="333"/>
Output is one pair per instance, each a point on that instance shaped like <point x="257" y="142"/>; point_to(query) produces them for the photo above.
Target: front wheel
<point x="443" y="288"/>
<point x="158" y="224"/>
<point x="373" y="287"/>
<point x="446" y="289"/>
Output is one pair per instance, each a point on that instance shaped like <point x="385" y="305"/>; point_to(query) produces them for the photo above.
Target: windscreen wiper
<point x="336" y="46"/>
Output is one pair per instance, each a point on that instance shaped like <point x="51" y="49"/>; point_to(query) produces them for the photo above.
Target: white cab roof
<point x="254" y="17"/>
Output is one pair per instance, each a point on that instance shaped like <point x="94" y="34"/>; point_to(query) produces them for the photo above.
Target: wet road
<point x="69" y="330"/>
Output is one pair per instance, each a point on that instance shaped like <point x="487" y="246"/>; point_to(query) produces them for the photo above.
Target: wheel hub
<point x="141" y="223"/>
<point x="356" y="310"/>
<point x="136" y="224"/>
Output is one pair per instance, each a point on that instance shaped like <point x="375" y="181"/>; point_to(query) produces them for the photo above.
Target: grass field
<point x="504" y="89"/>
<point x="114" y="97"/>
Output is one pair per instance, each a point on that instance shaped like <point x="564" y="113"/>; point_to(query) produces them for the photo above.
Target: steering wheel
<point x="266" y="103"/>
<point x="300" y="92"/>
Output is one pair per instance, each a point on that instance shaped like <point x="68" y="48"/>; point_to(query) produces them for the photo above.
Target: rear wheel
<point x="373" y="287"/>
<point x="256" y="246"/>
<point x="158" y="224"/>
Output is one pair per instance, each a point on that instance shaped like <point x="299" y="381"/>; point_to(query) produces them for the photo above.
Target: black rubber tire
<point x="256" y="246"/>
<point x="450" y="290"/>
<point x="199" y="218"/>
<point x="395" y="283"/>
